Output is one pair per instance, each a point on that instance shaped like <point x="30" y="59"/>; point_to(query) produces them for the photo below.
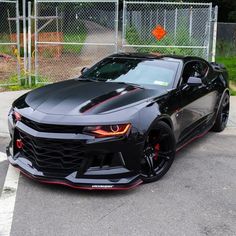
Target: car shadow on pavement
<point x="198" y="146"/>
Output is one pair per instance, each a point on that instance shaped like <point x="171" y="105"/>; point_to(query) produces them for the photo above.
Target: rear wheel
<point x="158" y="153"/>
<point x="223" y="114"/>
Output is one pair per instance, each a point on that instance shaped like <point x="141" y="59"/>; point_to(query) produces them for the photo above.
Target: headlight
<point x="16" y="116"/>
<point x="102" y="131"/>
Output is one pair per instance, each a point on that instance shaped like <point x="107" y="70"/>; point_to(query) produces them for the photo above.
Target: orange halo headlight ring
<point x="103" y="131"/>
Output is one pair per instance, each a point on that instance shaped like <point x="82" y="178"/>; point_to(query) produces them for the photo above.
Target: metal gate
<point x="170" y="28"/>
<point x="63" y="36"/>
<point x="72" y="34"/>
<point x="9" y="43"/>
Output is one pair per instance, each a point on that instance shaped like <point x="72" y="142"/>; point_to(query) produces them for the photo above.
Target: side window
<point x="203" y="69"/>
<point x="194" y="69"/>
<point x="206" y="72"/>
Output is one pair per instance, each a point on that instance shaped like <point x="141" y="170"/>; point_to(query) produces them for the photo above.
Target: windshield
<point x="135" y="71"/>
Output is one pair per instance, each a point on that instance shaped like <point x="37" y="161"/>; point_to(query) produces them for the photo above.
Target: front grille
<point x="52" y="155"/>
<point x="59" y="157"/>
<point x="51" y="128"/>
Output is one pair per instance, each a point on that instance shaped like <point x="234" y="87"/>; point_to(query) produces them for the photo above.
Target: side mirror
<point x="83" y="70"/>
<point x="194" y="81"/>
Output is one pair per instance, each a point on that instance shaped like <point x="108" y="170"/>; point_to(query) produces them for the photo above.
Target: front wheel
<point x="158" y="153"/>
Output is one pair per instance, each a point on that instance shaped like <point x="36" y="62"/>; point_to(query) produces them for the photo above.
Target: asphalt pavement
<point x="196" y="197"/>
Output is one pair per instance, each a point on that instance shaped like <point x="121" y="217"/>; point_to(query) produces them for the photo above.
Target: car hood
<point x="74" y="97"/>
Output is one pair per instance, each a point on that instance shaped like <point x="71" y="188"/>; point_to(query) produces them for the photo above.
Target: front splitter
<point x="72" y="181"/>
<point x="88" y="187"/>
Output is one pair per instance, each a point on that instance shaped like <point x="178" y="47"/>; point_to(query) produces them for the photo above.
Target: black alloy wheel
<point x="158" y="153"/>
<point x="223" y="114"/>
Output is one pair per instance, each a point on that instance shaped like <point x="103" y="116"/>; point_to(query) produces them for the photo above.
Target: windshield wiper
<point x="86" y="79"/>
<point x="92" y="79"/>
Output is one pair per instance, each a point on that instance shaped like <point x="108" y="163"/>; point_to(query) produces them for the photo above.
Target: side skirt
<point x="191" y="140"/>
<point x="196" y="135"/>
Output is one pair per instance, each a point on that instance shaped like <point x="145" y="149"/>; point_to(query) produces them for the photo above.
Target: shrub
<point x="24" y="83"/>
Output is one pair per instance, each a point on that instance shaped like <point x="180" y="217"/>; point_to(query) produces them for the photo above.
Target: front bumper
<point x="114" y="182"/>
<point x="118" y="177"/>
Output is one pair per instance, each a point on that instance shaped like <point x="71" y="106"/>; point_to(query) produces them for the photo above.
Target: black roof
<point x="155" y="56"/>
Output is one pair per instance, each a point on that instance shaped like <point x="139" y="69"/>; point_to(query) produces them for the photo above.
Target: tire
<point x="223" y="114"/>
<point x="158" y="153"/>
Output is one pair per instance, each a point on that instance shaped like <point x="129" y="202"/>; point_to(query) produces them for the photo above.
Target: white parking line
<point x="7" y="200"/>
<point x="2" y="157"/>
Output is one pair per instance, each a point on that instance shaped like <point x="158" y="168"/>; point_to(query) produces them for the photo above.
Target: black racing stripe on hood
<point x="107" y="97"/>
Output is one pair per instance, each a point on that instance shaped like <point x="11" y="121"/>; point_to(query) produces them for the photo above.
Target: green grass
<point x="24" y="83"/>
<point x="225" y="49"/>
<point x="5" y="49"/>
<point x="232" y="92"/>
<point x="230" y="64"/>
<point x="80" y="37"/>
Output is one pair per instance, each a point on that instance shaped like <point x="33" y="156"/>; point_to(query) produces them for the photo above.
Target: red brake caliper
<point x="157" y="149"/>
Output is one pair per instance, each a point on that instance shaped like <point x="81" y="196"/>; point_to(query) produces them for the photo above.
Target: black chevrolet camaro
<point x="120" y="123"/>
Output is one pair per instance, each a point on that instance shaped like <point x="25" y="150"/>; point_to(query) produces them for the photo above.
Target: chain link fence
<point x="9" y="43"/>
<point x="187" y="27"/>
<point x="70" y="35"/>
<point x="61" y="37"/>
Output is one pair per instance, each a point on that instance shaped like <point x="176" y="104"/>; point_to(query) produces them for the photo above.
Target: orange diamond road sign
<point x="159" y="32"/>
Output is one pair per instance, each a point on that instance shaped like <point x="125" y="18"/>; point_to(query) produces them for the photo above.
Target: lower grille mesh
<point x="53" y="154"/>
<point x="60" y="157"/>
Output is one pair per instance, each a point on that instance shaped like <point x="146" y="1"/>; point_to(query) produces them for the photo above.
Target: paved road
<point x="97" y="34"/>
<point x="196" y="197"/>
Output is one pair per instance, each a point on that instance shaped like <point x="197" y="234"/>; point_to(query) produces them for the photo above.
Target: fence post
<point x="29" y="43"/>
<point x="124" y="25"/>
<point x="190" y="24"/>
<point x="176" y="19"/>
<point x="57" y="27"/>
<point x="35" y="43"/>
<point x="18" y="41"/>
<point x="24" y="38"/>
<point x="209" y="31"/>
<point x="214" y="34"/>
<point x="116" y="25"/>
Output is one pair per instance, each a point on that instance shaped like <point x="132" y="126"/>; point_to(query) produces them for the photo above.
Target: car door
<point x="196" y="101"/>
